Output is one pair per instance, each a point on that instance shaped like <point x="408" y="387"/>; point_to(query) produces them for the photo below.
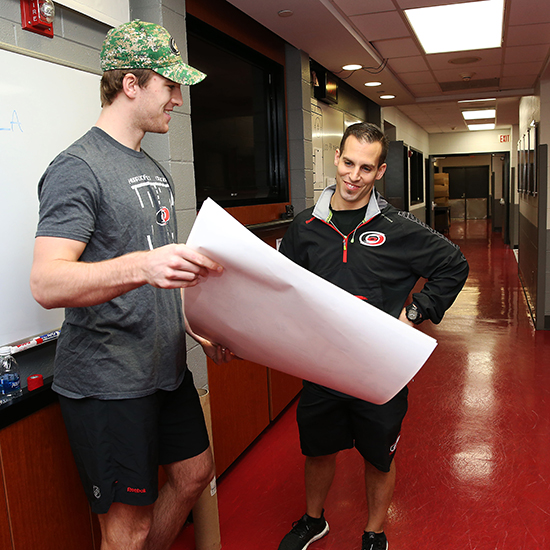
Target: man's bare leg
<point x="125" y="527"/>
<point x="319" y="474"/>
<point x="186" y="481"/>
<point x="379" y="486"/>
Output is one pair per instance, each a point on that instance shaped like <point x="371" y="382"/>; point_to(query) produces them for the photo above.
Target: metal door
<point x="468" y="191"/>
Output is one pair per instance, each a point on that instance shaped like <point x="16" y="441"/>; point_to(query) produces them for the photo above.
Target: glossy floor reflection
<point x="473" y="461"/>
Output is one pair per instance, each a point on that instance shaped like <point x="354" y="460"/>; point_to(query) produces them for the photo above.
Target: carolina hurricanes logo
<point x="163" y="216"/>
<point x="372" y="238"/>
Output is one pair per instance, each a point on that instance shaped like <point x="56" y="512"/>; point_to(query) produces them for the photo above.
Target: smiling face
<point x="157" y="99"/>
<point x="357" y="171"/>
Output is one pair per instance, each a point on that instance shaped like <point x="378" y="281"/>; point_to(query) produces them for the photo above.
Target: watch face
<point x="412" y="314"/>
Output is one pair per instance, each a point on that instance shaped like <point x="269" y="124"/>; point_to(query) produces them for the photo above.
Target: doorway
<point x="468" y="192"/>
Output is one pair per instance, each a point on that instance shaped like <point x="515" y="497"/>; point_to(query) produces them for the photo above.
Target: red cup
<point x="34" y="381"/>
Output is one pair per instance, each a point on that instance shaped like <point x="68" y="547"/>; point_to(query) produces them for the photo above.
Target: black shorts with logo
<point x="330" y="422"/>
<point x="118" y="445"/>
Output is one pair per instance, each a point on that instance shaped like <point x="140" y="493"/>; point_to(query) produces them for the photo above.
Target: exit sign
<point x="504" y="138"/>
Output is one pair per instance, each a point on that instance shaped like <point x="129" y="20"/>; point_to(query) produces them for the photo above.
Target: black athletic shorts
<point x="118" y="445"/>
<point x="330" y="422"/>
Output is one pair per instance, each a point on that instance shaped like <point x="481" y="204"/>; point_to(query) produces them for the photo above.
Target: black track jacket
<point x="382" y="259"/>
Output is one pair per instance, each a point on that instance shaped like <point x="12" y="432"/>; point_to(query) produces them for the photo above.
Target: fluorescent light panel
<point x="481" y="126"/>
<point x="476" y="100"/>
<point x="479" y="115"/>
<point x="458" y="27"/>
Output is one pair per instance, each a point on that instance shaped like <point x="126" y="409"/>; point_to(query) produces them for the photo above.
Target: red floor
<point x="473" y="461"/>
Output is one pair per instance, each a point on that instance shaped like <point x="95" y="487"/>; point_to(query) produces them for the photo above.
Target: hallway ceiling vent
<point x="470" y="84"/>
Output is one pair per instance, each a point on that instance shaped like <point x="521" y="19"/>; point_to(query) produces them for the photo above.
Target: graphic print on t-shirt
<point x="155" y="194"/>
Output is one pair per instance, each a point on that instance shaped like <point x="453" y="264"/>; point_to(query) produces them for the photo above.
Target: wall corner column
<point x="299" y="128"/>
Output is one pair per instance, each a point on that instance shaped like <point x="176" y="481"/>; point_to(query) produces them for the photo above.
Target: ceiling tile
<point x="408" y="64"/>
<point x="517" y="82"/>
<point x="424" y="77"/>
<point x="356" y="7"/>
<point x="381" y="26"/>
<point x="423" y="89"/>
<point x="524" y="35"/>
<point x="413" y="110"/>
<point x="525" y="12"/>
<point x="520" y="54"/>
<point x="401" y="47"/>
<point x="521" y="69"/>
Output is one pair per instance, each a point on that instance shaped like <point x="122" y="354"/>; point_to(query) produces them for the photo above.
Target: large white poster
<point x="271" y="311"/>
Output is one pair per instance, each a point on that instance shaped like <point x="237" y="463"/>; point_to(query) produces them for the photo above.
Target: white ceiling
<point x="427" y="87"/>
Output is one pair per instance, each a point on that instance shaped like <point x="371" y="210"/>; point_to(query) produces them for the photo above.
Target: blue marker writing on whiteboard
<point x="36" y="341"/>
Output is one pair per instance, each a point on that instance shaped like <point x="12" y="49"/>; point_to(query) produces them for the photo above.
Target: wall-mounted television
<point x="238" y="121"/>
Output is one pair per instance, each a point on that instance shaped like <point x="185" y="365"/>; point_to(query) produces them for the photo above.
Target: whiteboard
<point x="112" y="12"/>
<point x="44" y="107"/>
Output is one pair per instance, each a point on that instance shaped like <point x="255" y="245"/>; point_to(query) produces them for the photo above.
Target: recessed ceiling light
<point x="481" y="126"/>
<point x="479" y="115"/>
<point x="285" y="13"/>
<point x="373" y="84"/>
<point x="352" y="67"/>
<point x="387" y="96"/>
<point x="458" y="27"/>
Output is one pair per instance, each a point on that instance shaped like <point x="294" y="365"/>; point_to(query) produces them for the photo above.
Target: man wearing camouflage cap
<point x="106" y="250"/>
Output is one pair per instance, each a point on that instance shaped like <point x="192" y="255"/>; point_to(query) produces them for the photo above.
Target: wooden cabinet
<point x="5" y="535"/>
<point x="244" y="398"/>
<point x="239" y="406"/>
<point x="283" y="388"/>
<point x="44" y="500"/>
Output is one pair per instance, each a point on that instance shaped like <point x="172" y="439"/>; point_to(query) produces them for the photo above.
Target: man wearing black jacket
<point x="353" y="238"/>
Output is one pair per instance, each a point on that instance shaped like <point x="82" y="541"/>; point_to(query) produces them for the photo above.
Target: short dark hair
<point x="111" y="82"/>
<point x="367" y="133"/>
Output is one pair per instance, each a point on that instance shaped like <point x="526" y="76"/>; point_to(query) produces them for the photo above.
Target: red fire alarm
<point x="37" y="16"/>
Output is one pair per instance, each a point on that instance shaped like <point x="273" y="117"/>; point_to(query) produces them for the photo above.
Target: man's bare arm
<point x="58" y="279"/>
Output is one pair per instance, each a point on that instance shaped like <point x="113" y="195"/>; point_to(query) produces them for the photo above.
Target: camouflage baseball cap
<point x="141" y="45"/>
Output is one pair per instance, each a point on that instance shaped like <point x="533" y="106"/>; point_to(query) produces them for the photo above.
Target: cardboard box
<point x="441" y="185"/>
<point x="441" y="178"/>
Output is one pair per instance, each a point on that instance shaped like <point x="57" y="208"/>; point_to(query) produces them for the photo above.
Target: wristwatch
<point x="413" y="314"/>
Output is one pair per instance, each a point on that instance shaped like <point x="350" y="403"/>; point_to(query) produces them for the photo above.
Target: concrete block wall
<point x="299" y="128"/>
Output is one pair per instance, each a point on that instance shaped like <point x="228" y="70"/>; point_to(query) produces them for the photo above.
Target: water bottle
<point x="10" y="380"/>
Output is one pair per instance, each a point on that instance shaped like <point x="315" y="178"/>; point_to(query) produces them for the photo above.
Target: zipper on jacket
<point x="346" y="238"/>
<point x="346" y="249"/>
<point x="328" y="221"/>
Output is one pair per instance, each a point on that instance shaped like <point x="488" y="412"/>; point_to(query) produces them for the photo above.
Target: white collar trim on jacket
<point x="322" y="207"/>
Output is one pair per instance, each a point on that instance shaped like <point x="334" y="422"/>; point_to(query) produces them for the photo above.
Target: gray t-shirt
<point x="116" y="200"/>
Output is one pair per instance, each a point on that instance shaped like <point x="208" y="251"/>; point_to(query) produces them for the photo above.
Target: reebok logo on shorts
<point x="135" y="490"/>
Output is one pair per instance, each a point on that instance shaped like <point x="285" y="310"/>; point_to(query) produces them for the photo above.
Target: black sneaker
<point x="374" y="541"/>
<point x="304" y="531"/>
